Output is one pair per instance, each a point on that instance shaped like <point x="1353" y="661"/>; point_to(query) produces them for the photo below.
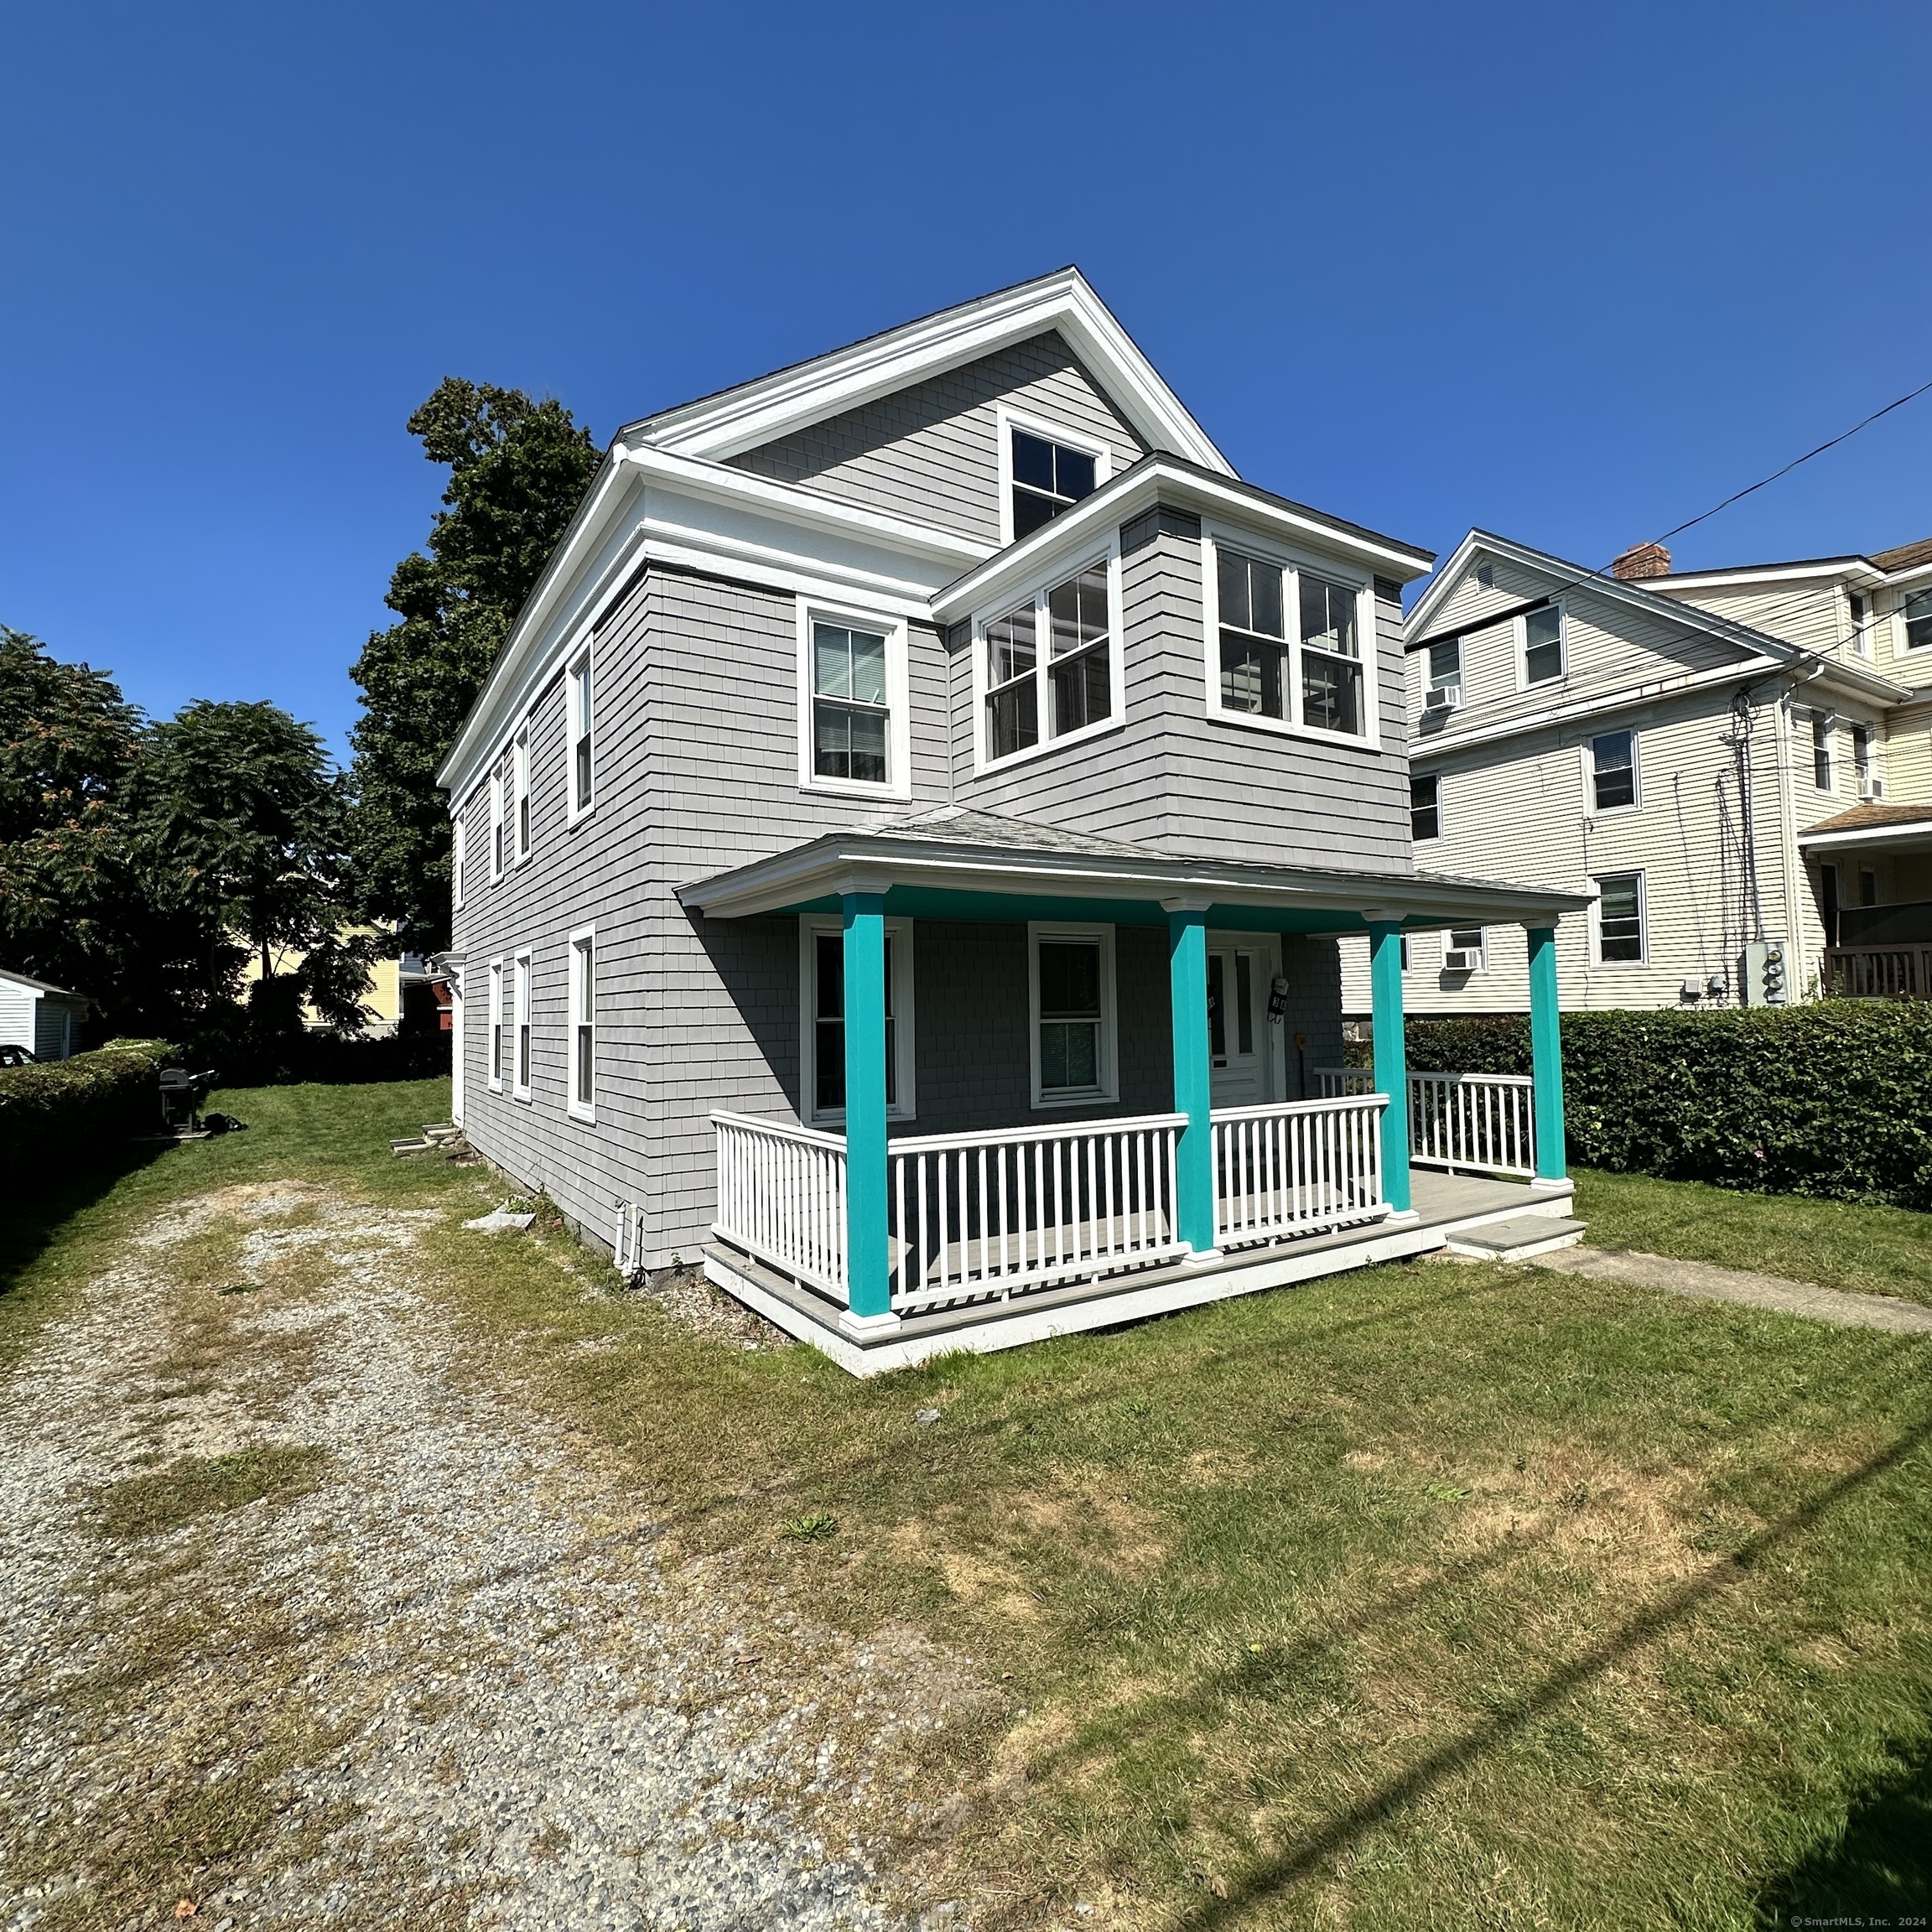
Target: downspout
<point x="1788" y="804"/>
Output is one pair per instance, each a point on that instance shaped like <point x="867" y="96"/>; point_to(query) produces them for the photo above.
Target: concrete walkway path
<point x="1705" y="1282"/>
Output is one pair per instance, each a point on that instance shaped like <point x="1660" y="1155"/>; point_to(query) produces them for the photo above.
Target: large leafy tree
<point x="68" y="742"/>
<point x="239" y="825"/>
<point x="517" y="470"/>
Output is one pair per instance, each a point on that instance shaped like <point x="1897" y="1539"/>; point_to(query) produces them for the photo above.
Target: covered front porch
<point x="885" y="1249"/>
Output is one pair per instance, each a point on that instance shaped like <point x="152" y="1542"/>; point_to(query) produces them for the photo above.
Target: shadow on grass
<point x="1296" y="1861"/>
<point x="1878" y="1870"/>
<point x="33" y="1208"/>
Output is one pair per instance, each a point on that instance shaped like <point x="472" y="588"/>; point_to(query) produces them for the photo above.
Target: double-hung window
<point x="583" y="993"/>
<point x="1311" y="674"/>
<point x="1543" y="645"/>
<point x="1917" y="612"/>
<point x="520" y="791"/>
<point x="1822" y="750"/>
<point x="1860" y="623"/>
<point x="1048" y="478"/>
<point x="1445" y="666"/>
<point x="1620" y="918"/>
<point x="851" y="715"/>
<point x="520" y="1034"/>
<point x="823" y="971"/>
<point x="1861" y="758"/>
<point x="1033" y="694"/>
<point x="497" y="1026"/>
<point x="1614" y="771"/>
<point x="579" y="720"/>
<point x="495" y="822"/>
<point x="456" y="861"/>
<point x="1071" y="985"/>
<point x="1425" y="808"/>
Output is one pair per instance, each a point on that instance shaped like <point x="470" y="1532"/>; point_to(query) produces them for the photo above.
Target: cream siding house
<point x="1668" y="747"/>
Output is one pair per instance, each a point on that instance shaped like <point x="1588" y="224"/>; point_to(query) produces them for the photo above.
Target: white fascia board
<point x="1867" y="835"/>
<point x="1763" y="576"/>
<point x="816" y="870"/>
<point x="792" y="503"/>
<point x="1849" y="676"/>
<point x="1753" y="643"/>
<point x="1900" y="579"/>
<point x="760" y="411"/>
<point x="1150" y="481"/>
<point x="1609" y="703"/>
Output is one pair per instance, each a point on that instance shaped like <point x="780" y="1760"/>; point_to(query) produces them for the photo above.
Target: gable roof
<point x="731" y="421"/>
<point x="39" y="986"/>
<point x="1906" y="556"/>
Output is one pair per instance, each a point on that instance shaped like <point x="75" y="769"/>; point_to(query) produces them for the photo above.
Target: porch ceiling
<point x="956" y="863"/>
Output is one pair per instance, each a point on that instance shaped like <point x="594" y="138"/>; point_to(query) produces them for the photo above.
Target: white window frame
<point x="520" y="807"/>
<point x="1042" y="583"/>
<point x="496" y="821"/>
<point x="494" y="1031"/>
<point x="1292" y="562"/>
<point x="900" y="931"/>
<point x="583" y="942"/>
<point x="1907" y="592"/>
<point x="1521" y="628"/>
<point x="1597" y="960"/>
<point x="898" y="699"/>
<point x="522" y="1030"/>
<point x="456" y="861"/>
<point x="1481" y="949"/>
<point x="1109" y="1055"/>
<point x="1589" y="749"/>
<point x="1008" y="421"/>
<point x="1824" y="737"/>
<point x="579" y="667"/>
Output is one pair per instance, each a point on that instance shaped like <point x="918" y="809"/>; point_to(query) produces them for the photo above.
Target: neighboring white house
<point x="44" y="1019"/>
<point x="1736" y="766"/>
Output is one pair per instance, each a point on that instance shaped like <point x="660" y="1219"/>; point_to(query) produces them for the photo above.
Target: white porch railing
<point x="1296" y="1167"/>
<point x="1000" y="1213"/>
<point x="1483" y="1122"/>
<point x="781" y="1197"/>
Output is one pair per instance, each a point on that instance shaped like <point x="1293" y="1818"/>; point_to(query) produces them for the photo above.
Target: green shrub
<point x="1831" y="1098"/>
<point x="66" y="1113"/>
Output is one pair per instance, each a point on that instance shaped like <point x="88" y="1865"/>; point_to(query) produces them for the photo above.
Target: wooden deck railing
<point x="1482" y="1123"/>
<point x="1878" y="972"/>
<point x="781" y="1197"/>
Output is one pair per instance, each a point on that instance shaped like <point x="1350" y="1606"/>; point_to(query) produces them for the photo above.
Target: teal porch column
<point x="867" y="1262"/>
<point x="1193" y="1088"/>
<point x="1391" y="1059"/>
<point x="1546" y="1053"/>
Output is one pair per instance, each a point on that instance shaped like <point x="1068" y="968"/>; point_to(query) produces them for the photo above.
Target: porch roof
<point x="1899" y="827"/>
<point x="953" y="863"/>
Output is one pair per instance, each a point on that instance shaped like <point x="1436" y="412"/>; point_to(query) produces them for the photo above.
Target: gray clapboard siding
<point x="930" y="453"/>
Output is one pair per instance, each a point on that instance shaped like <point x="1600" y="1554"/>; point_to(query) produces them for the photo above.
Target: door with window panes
<point x="1240" y="1041"/>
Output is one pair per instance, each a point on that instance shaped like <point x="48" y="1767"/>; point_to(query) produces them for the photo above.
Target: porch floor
<point x="1444" y="1205"/>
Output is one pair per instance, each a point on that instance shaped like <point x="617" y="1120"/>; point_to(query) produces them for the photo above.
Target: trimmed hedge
<point x="79" y="1112"/>
<point x="324" y="1058"/>
<point x="1833" y="1097"/>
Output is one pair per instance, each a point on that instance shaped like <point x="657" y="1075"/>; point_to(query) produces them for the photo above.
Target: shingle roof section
<point x="1906" y="556"/>
<point x="1870" y="817"/>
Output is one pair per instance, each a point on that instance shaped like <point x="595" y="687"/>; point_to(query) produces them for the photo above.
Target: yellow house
<point x="382" y="996"/>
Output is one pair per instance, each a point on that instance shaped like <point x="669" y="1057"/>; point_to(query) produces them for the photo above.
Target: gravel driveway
<point x="310" y="1623"/>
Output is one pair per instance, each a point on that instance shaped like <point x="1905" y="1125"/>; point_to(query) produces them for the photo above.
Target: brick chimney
<point x="1644" y="560"/>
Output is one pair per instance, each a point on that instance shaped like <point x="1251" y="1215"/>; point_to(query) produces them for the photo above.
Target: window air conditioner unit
<point x="1872" y="788"/>
<point x="1460" y="959"/>
<point x="1444" y="698"/>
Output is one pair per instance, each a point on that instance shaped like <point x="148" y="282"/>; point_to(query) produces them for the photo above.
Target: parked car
<point x="12" y="1054"/>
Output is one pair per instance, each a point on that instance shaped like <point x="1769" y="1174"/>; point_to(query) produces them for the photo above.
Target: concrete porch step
<point x="1517" y="1239"/>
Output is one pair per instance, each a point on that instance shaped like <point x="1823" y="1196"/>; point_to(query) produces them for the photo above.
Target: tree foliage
<point x="68" y="742"/>
<point x="517" y="470"/>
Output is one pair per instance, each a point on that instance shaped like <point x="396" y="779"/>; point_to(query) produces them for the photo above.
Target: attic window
<point x="1047" y="478"/>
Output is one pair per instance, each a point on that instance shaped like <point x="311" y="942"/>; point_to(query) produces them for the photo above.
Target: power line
<point x="1843" y="436"/>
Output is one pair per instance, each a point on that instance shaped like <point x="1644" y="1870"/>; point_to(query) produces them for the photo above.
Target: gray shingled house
<point x="901" y="847"/>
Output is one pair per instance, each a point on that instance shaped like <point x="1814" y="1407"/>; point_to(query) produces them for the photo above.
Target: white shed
<point x="45" y="1019"/>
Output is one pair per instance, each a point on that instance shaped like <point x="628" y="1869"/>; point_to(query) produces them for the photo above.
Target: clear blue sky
<point x="1571" y="273"/>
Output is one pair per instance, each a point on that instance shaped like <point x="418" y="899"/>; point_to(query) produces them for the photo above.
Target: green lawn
<point x="1455" y="1596"/>
<point x="1871" y="1250"/>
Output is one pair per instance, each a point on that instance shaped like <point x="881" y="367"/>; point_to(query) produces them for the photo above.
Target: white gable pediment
<point x="741" y="418"/>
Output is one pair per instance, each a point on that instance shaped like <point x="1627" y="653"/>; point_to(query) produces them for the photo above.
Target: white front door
<point x="1239" y="1042"/>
